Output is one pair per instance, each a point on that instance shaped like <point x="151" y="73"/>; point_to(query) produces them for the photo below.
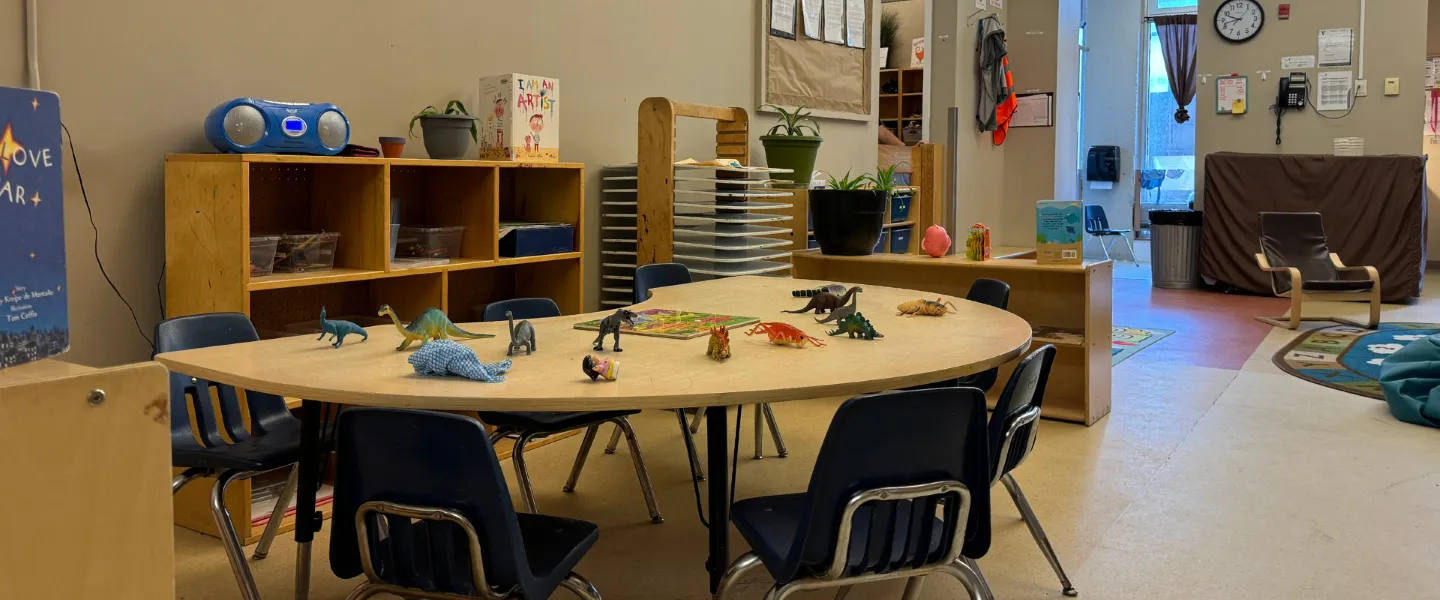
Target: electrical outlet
<point x="1362" y="88"/>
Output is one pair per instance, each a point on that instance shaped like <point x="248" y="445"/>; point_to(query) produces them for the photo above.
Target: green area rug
<point x="1348" y="358"/>
<point x="1127" y="341"/>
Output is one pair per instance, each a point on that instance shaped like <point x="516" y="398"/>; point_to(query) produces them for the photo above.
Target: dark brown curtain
<point x="1177" y="44"/>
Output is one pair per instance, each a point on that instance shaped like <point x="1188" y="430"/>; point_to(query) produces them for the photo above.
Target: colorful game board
<point x="675" y="324"/>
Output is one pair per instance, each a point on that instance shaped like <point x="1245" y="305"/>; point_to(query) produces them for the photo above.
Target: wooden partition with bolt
<point x="1066" y="305"/>
<point x="215" y="202"/>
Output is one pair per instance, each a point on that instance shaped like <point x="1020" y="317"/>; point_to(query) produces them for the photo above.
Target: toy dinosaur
<point x="826" y="301"/>
<point x="832" y="288"/>
<point x="932" y="308"/>
<point x="611" y="325"/>
<point x="520" y="335"/>
<point x="842" y="312"/>
<point x="856" y="326"/>
<point x="719" y="348"/>
<point x="337" y="330"/>
<point x="430" y="325"/>
<point x="781" y="334"/>
<point x="445" y="357"/>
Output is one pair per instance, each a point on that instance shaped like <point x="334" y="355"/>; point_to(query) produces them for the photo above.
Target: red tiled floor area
<point x="1211" y="329"/>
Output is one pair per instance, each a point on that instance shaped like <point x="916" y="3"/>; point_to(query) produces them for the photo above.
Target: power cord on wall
<point x="81" y="178"/>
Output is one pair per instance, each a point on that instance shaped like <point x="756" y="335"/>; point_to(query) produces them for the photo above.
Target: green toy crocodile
<point x="430" y="325"/>
<point x="856" y="325"/>
<point x="337" y="330"/>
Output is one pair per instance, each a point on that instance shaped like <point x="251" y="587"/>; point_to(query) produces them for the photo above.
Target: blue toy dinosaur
<point x="337" y="330"/>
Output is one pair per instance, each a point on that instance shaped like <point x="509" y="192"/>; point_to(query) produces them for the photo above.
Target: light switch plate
<point x="1362" y="88"/>
<point x="1392" y="86"/>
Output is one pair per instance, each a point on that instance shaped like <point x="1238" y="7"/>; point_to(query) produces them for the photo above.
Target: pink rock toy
<point x="936" y="242"/>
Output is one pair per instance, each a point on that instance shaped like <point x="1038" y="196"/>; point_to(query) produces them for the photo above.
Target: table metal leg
<point x="717" y="440"/>
<point x="306" y="518"/>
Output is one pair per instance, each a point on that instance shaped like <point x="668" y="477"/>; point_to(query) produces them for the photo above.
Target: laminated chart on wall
<point x="810" y="14"/>
<point x="1336" y="47"/>
<point x="834" y="21"/>
<point x="1432" y="71"/>
<point x="1232" y="94"/>
<point x="1333" y="90"/>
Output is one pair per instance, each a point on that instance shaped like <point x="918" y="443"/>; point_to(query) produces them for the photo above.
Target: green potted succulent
<point x="848" y="215"/>
<point x="444" y="130"/>
<point x="793" y="144"/>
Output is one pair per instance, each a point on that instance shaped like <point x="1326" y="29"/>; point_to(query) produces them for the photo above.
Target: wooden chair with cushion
<point x="1294" y="250"/>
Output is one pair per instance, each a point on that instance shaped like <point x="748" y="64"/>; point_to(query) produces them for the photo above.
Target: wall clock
<point x="1239" y="20"/>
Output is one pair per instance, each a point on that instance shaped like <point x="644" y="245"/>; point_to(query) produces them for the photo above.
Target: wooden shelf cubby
<point x="215" y="202"/>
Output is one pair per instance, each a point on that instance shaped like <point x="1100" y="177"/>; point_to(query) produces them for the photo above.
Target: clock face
<point x="1239" y="20"/>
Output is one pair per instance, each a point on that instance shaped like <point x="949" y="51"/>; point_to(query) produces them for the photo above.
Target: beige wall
<point x="1394" y="47"/>
<point x="912" y="25"/>
<point x="952" y="80"/>
<point x="137" y="78"/>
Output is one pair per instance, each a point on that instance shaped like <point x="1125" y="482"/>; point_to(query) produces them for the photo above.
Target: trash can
<point x="1175" y="249"/>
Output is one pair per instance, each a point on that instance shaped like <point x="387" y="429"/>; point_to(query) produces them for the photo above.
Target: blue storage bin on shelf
<point x="900" y="208"/>
<point x="900" y="240"/>
<point x="535" y="239"/>
<point x="812" y="243"/>
<point x="881" y="245"/>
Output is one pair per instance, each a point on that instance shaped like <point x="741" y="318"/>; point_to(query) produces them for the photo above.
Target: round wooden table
<point x="654" y="372"/>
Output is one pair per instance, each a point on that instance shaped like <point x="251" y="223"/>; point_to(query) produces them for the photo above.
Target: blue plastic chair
<point x="528" y="426"/>
<point x="420" y="516"/>
<point x="1098" y="226"/>
<point x="900" y="490"/>
<point x="271" y="441"/>
<point x="649" y="277"/>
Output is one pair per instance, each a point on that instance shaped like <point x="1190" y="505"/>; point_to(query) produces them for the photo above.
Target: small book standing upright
<point x="34" y="313"/>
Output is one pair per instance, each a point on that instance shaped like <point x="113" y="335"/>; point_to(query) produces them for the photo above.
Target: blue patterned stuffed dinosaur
<point x="444" y="357"/>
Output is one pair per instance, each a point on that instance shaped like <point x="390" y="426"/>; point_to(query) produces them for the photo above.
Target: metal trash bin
<point x="1175" y="249"/>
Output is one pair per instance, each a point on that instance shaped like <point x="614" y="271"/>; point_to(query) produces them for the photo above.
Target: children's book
<point x="34" y="314"/>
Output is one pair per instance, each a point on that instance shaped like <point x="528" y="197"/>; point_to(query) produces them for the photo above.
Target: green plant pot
<point x="795" y="152"/>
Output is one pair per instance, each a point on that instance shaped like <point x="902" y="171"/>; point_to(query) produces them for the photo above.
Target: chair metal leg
<point x="982" y="585"/>
<point x="843" y="592"/>
<point x="736" y="573"/>
<point x="364" y="590"/>
<point x="968" y="572"/>
<point x="277" y="515"/>
<point x="614" y="441"/>
<point x="582" y="588"/>
<point x="1037" y="532"/>
<point x="695" y="465"/>
<point x="580" y="457"/>
<point x="184" y="478"/>
<point x="695" y="421"/>
<point x="497" y="435"/>
<point x="522" y="475"/>
<point x="759" y="433"/>
<point x="1133" y="258"/>
<point x="1104" y="246"/>
<point x="780" y="449"/>
<point x="623" y="423"/>
<point x="233" y="550"/>
<point x="912" y="588"/>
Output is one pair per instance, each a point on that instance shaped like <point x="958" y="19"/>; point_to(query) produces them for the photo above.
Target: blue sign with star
<point x="34" y="313"/>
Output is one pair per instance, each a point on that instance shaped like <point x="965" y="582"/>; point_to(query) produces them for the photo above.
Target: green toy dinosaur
<point x="856" y="325"/>
<point x="337" y="330"/>
<point x="430" y="325"/>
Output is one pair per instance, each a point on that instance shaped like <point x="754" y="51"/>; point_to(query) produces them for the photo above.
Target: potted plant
<point x="788" y="146"/>
<point x="445" y="130"/>
<point x="889" y="26"/>
<point x="849" y="214"/>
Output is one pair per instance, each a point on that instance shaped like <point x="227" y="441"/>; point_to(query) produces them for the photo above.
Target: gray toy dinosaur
<point x="337" y="330"/>
<point x="611" y="325"/>
<point x="843" y="311"/>
<point x="520" y="335"/>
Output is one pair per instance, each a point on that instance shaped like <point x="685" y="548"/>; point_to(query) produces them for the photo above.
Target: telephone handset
<point x="1292" y="91"/>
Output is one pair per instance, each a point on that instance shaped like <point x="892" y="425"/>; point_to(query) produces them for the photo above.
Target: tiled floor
<point x="1214" y="476"/>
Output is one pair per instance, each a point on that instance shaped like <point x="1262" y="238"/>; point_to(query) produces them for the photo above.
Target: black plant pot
<point x="847" y="223"/>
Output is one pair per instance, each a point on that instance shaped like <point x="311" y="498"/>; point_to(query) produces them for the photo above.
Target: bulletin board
<point x="833" y="80"/>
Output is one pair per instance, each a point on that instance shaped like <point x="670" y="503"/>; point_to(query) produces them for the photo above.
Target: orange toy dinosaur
<point x="782" y="334"/>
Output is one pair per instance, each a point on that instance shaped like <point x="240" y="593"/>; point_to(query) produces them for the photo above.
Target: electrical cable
<point x="1279" y="111"/>
<point x="734" y="465"/>
<point x="76" y="160"/>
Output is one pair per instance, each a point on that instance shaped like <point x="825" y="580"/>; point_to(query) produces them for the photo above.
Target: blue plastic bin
<point x="899" y="240"/>
<point x="900" y="208"/>
<point x="537" y="241"/>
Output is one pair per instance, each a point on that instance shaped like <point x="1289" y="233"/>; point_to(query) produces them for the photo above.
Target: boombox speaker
<point x="249" y="125"/>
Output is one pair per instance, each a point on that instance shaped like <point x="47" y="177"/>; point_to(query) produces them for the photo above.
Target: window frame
<point x="1152" y="9"/>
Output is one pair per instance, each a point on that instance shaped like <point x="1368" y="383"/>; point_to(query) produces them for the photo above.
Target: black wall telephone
<point x="1293" y="93"/>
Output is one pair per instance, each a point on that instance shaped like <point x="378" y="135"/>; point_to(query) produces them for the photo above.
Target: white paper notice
<point x="1290" y="63"/>
<point x="1335" y="47"/>
<point x="1432" y="72"/>
<point x="855" y="31"/>
<point x="1102" y="185"/>
<point x="782" y="18"/>
<point x="810" y="10"/>
<point x="980" y="4"/>
<point x="834" y="21"/>
<point x="1032" y="111"/>
<point x="997" y="3"/>
<point x="1334" y="90"/>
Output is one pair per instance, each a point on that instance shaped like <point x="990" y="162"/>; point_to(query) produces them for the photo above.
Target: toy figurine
<point x="843" y="311"/>
<point x="856" y="325"/>
<point x="936" y="241"/>
<point x="781" y="334"/>
<point x="430" y="325"/>
<point x="825" y="301"/>
<point x="597" y="367"/>
<point x="445" y="357"/>
<point x="719" y="348"/>
<point x="520" y="335"/>
<point x="611" y="325"/>
<point x="337" y="330"/>
<point x="929" y="308"/>
<point x="832" y="288"/>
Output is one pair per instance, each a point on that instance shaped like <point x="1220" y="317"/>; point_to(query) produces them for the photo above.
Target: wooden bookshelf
<point x="214" y="202"/>
<point x="905" y="106"/>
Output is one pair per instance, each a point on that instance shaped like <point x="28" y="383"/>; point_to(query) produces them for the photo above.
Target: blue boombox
<point x="249" y="125"/>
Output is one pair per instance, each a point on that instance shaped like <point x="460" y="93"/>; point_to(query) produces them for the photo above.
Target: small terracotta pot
<point x="392" y="147"/>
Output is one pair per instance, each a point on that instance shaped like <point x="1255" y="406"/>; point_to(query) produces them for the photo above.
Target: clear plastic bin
<point x="301" y="252"/>
<point x="430" y="242"/>
<point x="262" y="254"/>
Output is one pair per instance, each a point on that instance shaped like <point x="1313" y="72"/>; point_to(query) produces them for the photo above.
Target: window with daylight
<point x="1167" y="165"/>
<point x="1170" y="7"/>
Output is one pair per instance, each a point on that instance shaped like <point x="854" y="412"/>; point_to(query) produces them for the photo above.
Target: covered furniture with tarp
<point x="1375" y="206"/>
<point x="1411" y="381"/>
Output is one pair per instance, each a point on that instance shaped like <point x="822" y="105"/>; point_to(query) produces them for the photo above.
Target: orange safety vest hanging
<point x="1006" y="109"/>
